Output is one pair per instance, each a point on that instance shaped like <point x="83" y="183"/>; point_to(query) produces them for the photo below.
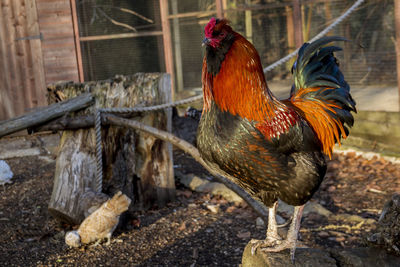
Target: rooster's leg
<point x="291" y="238"/>
<point x="272" y="231"/>
<point x="273" y="237"/>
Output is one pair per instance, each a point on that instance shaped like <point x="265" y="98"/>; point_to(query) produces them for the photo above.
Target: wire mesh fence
<point x="120" y="37"/>
<point x="124" y="37"/>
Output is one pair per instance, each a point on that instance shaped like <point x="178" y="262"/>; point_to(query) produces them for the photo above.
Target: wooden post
<point x="249" y="25"/>
<point x="328" y="14"/>
<point x="169" y="63"/>
<point x="77" y="40"/>
<point x="297" y="22"/>
<point x="177" y="44"/>
<point x="219" y="8"/>
<point x="397" y="22"/>
<point x="290" y="35"/>
<point x="139" y="165"/>
<point x="290" y="28"/>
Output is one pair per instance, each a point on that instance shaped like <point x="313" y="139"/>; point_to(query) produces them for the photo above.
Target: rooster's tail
<point x="321" y="94"/>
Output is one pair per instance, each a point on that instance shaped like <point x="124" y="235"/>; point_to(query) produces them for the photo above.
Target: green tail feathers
<point x="316" y="67"/>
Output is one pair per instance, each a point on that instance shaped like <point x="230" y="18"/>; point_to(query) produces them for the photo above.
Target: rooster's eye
<point x="222" y="34"/>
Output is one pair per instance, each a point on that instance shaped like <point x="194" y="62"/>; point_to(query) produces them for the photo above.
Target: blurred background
<point x="45" y="41"/>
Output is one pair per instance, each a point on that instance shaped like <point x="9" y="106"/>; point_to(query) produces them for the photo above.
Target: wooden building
<point x="37" y="47"/>
<point x="41" y="42"/>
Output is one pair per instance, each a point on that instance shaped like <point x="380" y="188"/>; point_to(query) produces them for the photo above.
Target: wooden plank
<point x="197" y="14"/>
<point x="45" y="114"/>
<point x="24" y="62"/>
<point x="59" y="41"/>
<point x="16" y="88"/>
<point x="52" y="19"/>
<point x="66" y="62"/>
<point x="7" y="109"/>
<point x="65" y="52"/>
<point x="56" y="30"/>
<point x="36" y="52"/>
<point x="167" y="41"/>
<point x="77" y="40"/>
<point x="177" y="46"/>
<point x="53" y="5"/>
<point x="62" y="76"/>
<point x="119" y="36"/>
<point x="219" y="8"/>
<point x="397" y="44"/>
<point x="290" y="29"/>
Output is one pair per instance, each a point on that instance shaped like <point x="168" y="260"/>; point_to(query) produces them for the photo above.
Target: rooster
<point x="274" y="149"/>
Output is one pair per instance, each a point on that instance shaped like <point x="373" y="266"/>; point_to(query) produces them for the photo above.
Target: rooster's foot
<point x="270" y="241"/>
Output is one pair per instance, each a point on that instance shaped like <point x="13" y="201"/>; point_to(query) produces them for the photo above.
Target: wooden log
<point x="138" y="165"/>
<point x="45" y="114"/>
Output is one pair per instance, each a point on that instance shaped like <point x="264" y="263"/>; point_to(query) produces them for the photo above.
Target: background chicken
<point x="101" y="223"/>
<point x="273" y="149"/>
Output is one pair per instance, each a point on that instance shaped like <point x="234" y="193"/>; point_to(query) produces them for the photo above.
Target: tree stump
<point x="139" y="165"/>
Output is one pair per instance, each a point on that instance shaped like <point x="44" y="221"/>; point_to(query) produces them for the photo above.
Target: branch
<point x="45" y="114"/>
<point x="117" y="22"/>
<point x="194" y="152"/>
<point x="127" y="11"/>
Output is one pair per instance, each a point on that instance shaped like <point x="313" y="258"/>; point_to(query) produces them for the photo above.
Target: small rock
<point x="331" y="188"/>
<point x="351" y="218"/>
<point x="213" y="208"/>
<point x="5" y="173"/>
<point x="336" y="233"/>
<point x="244" y="235"/>
<point x="218" y="189"/>
<point x="195" y="253"/>
<point x="231" y="209"/>
<point x="323" y="234"/>
<point x="192" y="181"/>
<point x="227" y="221"/>
<point x="192" y="205"/>
<point x="260" y="222"/>
<point x="340" y="239"/>
<point x="182" y="227"/>
<point x="311" y="206"/>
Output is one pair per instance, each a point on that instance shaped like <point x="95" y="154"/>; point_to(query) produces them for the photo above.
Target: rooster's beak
<point x="206" y="41"/>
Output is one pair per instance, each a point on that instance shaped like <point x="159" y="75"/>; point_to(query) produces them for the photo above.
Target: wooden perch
<point x="45" y="114"/>
<point x="73" y="123"/>
<point x="194" y="152"/>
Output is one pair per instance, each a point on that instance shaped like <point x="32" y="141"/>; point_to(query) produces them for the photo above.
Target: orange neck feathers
<point x="240" y="87"/>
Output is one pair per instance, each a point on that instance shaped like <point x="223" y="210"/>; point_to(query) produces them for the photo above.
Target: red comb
<point x="208" y="30"/>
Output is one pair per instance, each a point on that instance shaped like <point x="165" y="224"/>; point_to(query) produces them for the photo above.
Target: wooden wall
<point x="36" y="48"/>
<point x="58" y="45"/>
<point x="22" y="83"/>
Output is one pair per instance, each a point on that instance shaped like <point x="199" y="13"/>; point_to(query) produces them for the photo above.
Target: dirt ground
<point x="185" y="232"/>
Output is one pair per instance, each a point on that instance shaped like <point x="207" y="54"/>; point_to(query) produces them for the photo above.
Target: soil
<point x="185" y="232"/>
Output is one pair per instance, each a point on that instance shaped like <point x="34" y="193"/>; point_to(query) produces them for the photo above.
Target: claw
<point x="273" y="242"/>
<point x="285" y="244"/>
<point x="268" y="242"/>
